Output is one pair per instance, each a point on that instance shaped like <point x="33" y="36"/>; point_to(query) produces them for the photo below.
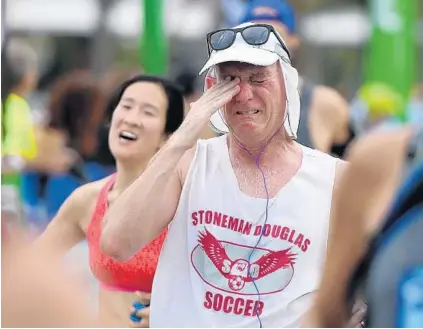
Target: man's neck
<point x="273" y="151"/>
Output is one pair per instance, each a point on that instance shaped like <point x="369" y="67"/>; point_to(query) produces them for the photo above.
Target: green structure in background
<point x="391" y="62"/>
<point x="153" y="42"/>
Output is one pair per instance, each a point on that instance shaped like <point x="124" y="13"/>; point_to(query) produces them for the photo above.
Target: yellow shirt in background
<point x="18" y="137"/>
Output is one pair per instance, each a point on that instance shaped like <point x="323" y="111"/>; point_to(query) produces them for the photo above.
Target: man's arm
<point x="149" y="204"/>
<point x="329" y="118"/>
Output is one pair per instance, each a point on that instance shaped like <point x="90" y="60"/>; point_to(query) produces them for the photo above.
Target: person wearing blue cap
<point x="324" y="114"/>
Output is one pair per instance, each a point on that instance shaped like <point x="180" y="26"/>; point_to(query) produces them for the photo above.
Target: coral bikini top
<point x="135" y="274"/>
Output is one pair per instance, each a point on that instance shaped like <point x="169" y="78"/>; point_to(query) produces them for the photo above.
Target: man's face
<point x="258" y="110"/>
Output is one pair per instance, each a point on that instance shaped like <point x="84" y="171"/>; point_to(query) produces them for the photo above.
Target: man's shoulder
<point x="213" y="144"/>
<point x="317" y="155"/>
<point x="320" y="165"/>
<point x="212" y="140"/>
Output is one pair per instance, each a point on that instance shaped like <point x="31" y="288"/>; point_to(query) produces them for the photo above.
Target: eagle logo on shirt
<point x="239" y="271"/>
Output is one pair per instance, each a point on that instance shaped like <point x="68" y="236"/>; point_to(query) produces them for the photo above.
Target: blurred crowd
<point x="48" y="154"/>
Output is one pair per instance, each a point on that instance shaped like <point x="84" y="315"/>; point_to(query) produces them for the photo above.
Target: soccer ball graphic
<point x="236" y="283"/>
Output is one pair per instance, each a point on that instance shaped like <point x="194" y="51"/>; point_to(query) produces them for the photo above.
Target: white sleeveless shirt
<point x="212" y="263"/>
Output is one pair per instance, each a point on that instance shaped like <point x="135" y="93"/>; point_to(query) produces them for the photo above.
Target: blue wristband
<point x="138" y="306"/>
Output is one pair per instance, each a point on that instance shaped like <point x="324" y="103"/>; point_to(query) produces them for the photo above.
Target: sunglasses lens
<point x="256" y="35"/>
<point x="222" y="39"/>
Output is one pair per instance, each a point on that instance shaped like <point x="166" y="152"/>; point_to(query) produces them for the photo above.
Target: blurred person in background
<point x="375" y="237"/>
<point x="233" y="10"/>
<point x="143" y="112"/>
<point x="36" y="292"/>
<point x="324" y="122"/>
<point x="75" y="113"/>
<point x="415" y="107"/>
<point x="19" y="140"/>
<point x="19" y="79"/>
<point x="188" y="82"/>
<point x="376" y="107"/>
<point x="116" y="76"/>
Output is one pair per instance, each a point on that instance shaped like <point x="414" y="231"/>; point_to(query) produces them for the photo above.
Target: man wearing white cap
<point x="248" y="212"/>
<point x="324" y="123"/>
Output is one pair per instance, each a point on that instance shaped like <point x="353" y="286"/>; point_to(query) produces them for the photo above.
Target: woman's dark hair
<point x="174" y="113"/>
<point x="77" y="107"/>
<point x="175" y="98"/>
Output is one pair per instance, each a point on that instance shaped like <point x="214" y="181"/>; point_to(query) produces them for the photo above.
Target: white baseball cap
<point x="261" y="55"/>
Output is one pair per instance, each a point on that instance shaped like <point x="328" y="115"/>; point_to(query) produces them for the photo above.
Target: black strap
<point x="306" y="95"/>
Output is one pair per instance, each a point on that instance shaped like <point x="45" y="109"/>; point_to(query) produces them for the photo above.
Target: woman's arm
<point x="66" y="229"/>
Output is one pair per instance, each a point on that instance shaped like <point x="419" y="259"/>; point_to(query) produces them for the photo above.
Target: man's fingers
<point x="224" y="97"/>
<point x="227" y="96"/>
<point x="218" y="95"/>
<point x="230" y="85"/>
<point x="222" y="86"/>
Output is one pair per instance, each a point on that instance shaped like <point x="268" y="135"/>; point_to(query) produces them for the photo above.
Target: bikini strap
<point x="102" y="198"/>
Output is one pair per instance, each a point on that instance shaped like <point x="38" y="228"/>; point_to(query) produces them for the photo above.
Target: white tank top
<point x="212" y="262"/>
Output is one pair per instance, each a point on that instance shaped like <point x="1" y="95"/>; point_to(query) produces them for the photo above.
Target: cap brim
<point x="249" y="54"/>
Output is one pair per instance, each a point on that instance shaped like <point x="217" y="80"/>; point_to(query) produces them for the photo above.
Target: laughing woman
<point x="144" y="111"/>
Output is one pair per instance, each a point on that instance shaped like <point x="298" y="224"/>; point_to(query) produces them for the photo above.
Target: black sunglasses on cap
<point x="255" y="35"/>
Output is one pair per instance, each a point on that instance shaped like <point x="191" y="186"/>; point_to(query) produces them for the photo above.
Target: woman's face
<point x="138" y="122"/>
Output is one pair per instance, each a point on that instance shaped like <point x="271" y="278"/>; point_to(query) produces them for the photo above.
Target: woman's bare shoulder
<point x="83" y="199"/>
